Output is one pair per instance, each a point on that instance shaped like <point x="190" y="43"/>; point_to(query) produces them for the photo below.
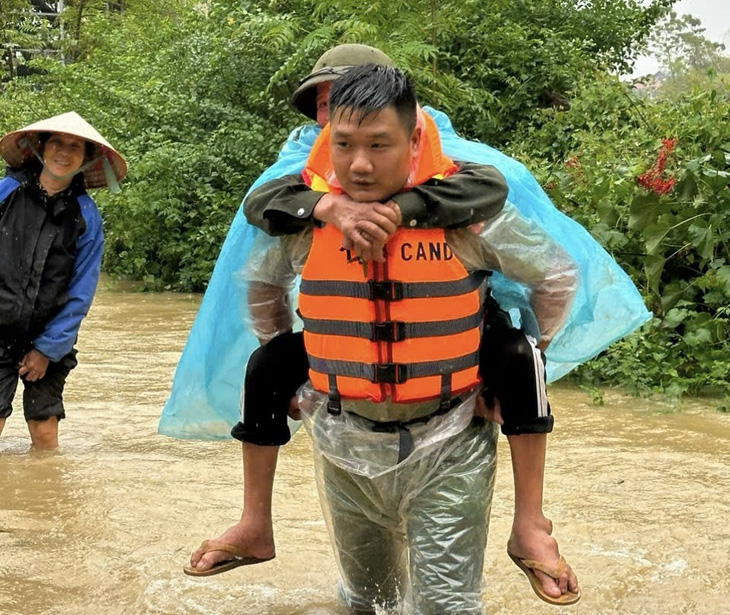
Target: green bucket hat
<point x="332" y="64"/>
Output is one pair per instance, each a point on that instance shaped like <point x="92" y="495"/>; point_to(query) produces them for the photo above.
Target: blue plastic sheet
<point x="607" y="305"/>
<point x="205" y="396"/>
<point x="206" y="389"/>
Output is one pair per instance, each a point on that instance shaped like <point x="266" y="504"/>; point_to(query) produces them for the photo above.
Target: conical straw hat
<point x="15" y="146"/>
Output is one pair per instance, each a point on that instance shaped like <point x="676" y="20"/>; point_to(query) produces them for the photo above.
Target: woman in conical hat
<point x="103" y="166"/>
<point x="50" y="257"/>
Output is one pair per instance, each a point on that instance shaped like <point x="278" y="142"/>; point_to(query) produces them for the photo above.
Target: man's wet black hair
<point x="368" y="89"/>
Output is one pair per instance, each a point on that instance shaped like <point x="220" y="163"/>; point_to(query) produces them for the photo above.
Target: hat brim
<point x="17" y="147"/>
<point x="304" y="98"/>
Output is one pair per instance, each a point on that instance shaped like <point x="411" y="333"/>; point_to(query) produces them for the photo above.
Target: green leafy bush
<point x="650" y="181"/>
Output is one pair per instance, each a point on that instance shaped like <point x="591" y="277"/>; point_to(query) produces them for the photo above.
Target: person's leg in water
<point x="530" y="538"/>
<point x="513" y="371"/>
<point x="43" y="402"/>
<point x="8" y="382"/>
<point x="44" y="434"/>
<point x="253" y="534"/>
<point x="274" y="373"/>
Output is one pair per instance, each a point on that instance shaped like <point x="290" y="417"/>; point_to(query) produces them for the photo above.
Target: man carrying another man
<point x="555" y="584"/>
<point x="399" y="456"/>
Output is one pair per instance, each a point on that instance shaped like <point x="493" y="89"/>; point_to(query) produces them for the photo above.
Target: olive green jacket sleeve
<point x="476" y="193"/>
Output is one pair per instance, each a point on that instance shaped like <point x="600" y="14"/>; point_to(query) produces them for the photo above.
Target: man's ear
<point x="415" y="140"/>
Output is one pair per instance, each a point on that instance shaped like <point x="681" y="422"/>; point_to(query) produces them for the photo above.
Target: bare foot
<point x="255" y="542"/>
<point x="533" y="542"/>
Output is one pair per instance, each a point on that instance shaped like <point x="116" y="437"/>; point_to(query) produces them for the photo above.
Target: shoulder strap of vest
<point x="315" y="182"/>
<point x="431" y="161"/>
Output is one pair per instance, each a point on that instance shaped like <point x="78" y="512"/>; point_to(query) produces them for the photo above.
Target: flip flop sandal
<point x="529" y="566"/>
<point x="238" y="559"/>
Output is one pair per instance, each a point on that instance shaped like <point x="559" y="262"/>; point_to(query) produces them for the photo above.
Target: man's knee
<point x="517" y="352"/>
<point x="260" y="363"/>
<point x="281" y="359"/>
<point x="274" y="373"/>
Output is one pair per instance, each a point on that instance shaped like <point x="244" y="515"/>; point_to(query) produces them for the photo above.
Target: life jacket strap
<point x="393" y="426"/>
<point x="392" y="290"/>
<point x="405" y="444"/>
<point x="445" y="392"/>
<point x="387" y="290"/>
<point x="392" y="330"/>
<point x="393" y="373"/>
<point x="334" y="405"/>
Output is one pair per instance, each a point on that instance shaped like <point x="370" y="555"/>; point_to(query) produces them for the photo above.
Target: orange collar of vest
<point x="429" y="162"/>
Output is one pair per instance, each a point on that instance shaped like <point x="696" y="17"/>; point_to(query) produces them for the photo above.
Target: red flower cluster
<point x="653" y="180"/>
<point x="572" y="163"/>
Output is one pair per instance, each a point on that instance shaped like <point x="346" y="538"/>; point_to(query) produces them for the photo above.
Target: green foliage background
<point x="195" y="95"/>
<point x="674" y="246"/>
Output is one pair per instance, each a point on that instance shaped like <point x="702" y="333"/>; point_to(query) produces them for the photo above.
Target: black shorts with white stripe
<point x="513" y="370"/>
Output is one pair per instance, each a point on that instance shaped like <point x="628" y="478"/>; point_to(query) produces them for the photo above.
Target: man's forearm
<point x="475" y="194"/>
<point x="552" y="304"/>
<point x="281" y="206"/>
<point x="269" y="310"/>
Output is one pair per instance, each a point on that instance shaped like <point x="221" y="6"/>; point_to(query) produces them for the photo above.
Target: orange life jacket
<point x="409" y="328"/>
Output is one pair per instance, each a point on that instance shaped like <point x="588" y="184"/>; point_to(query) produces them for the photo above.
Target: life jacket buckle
<point x="388" y="331"/>
<point x="390" y="373"/>
<point x="334" y="407"/>
<point x="386" y="291"/>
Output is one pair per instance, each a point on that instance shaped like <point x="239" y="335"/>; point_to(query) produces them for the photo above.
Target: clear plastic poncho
<point x="407" y="534"/>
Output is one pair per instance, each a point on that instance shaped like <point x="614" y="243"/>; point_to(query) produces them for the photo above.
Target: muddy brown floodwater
<point x="639" y="493"/>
